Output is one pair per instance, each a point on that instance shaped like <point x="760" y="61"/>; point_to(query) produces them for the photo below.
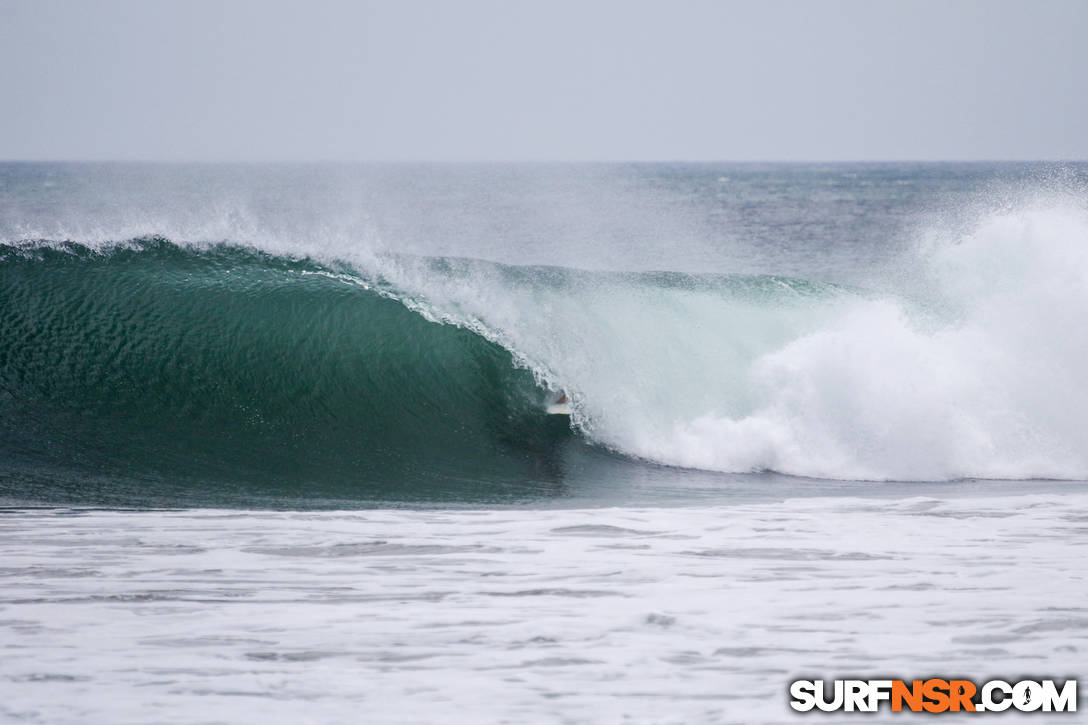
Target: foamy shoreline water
<point x="528" y="615"/>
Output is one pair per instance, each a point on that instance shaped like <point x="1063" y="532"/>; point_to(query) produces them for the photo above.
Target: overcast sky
<point x="543" y="80"/>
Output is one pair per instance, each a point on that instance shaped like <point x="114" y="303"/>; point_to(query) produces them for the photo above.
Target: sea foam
<point x="975" y="369"/>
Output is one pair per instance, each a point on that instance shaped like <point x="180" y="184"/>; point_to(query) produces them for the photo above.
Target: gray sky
<point x="543" y="80"/>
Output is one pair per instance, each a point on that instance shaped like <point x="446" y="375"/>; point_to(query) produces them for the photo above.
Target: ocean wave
<point x="226" y="363"/>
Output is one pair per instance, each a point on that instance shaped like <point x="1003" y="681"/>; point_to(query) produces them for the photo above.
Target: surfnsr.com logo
<point x="933" y="695"/>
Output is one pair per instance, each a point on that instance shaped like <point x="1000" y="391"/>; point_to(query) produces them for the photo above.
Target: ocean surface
<point x="274" y="440"/>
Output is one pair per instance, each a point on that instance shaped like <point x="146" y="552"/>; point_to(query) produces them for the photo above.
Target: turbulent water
<point x="664" y="615"/>
<point x="336" y="337"/>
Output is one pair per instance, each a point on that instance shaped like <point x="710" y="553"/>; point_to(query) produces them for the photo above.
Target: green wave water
<point x="150" y="370"/>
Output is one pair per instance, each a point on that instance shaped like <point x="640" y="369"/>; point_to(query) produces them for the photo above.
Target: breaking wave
<point x="154" y="360"/>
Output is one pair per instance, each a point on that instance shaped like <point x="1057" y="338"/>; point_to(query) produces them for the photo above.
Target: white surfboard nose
<point x="559" y="409"/>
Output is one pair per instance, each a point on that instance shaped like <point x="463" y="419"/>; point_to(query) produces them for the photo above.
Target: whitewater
<point x="665" y="615"/>
<point x="273" y="438"/>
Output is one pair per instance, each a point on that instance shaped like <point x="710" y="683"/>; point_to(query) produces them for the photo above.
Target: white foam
<point x="582" y="616"/>
<point x="978" y="375"/>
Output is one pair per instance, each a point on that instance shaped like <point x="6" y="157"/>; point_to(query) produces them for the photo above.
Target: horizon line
<point x="376" y="161"/>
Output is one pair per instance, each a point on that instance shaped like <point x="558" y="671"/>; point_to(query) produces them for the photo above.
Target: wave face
<point x="150" y="360"/>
